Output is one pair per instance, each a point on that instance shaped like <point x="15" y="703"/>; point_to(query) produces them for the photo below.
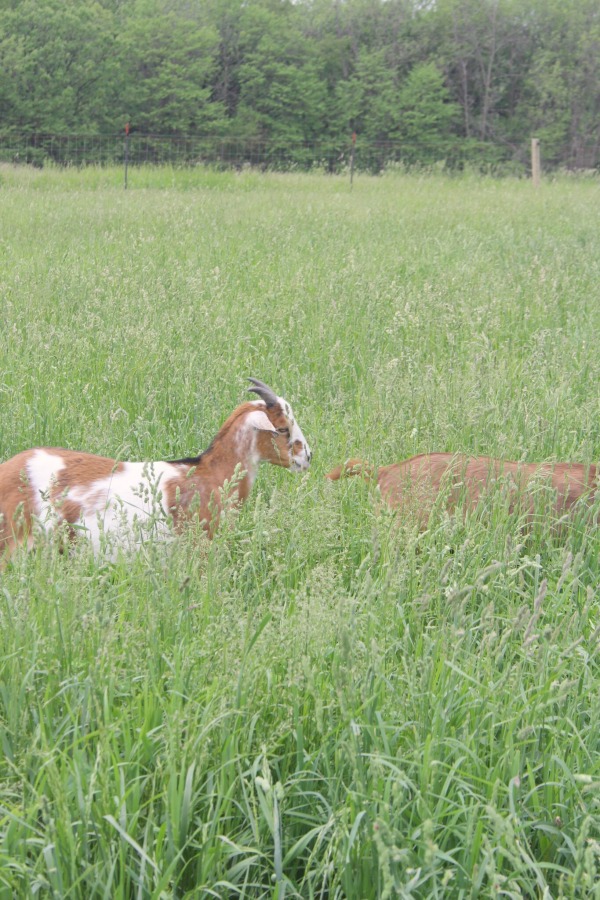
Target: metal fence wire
<point x="192" y="150"/>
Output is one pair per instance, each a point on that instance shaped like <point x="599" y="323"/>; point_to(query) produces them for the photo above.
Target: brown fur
<point x="414" y="485"/>
<point x="200" y="483"/>
<point x="15" y="526"/>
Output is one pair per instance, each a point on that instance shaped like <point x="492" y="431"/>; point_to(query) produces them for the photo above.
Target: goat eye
<point x="285" y="431"/>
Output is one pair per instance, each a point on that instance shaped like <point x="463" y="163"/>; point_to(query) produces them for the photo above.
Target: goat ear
<point x="260" y="420"/>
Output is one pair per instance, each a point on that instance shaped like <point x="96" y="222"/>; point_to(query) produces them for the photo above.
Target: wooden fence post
<point x="352" y="158"/>
<point x="536" y="171"/>
<point x="126" y="151"/>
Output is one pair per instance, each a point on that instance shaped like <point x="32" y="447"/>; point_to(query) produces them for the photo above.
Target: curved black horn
<point x="264" y="391"/>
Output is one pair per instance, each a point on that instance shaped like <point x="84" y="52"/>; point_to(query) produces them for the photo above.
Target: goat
<point x="47" y="486"/>
<point x="414" y="485"/>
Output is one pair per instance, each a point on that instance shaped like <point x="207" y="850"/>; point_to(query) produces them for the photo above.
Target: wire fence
<point x="184" y="150"/>
<point x="329" y="155"/>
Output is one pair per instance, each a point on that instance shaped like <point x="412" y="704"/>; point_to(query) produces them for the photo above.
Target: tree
<point x="427" y="116"/>
<point x="296" y="73"/>
<point x="55" y="62"/>
<point x="282" y="92"/>
<point x="168" y="57"/>
<point x="368" y="100"/>
<point x="560" y="101"/>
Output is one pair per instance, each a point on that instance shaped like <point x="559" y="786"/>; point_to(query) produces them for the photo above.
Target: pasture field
<point x="321" y="703"/>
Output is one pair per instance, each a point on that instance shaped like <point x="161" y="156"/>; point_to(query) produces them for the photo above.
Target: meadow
<point x="321" y="702"/>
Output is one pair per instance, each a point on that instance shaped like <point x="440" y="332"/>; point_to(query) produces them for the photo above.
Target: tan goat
<point x="414" y="485"/>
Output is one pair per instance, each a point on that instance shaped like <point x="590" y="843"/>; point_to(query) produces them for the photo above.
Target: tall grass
<point x="321" y="702"/>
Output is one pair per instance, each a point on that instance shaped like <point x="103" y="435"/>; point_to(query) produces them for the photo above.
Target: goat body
<point x="415" y="484"/>
<point x="48" y="486"/>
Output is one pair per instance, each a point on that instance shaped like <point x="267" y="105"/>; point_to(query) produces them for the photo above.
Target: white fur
<point x="128" y="503"/>
<point x="260" y="420"/>
<point x="42" y="471"/>
<point x="246" y="440"/>
<point x="300" y="461"/>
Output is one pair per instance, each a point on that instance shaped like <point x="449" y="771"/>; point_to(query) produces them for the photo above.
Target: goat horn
<point x="264" y="391"/>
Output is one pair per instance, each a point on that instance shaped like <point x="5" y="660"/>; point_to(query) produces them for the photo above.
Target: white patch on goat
<point x="129" y="503"/>
<point x="42" y="471"/>
<point x="245" y="441"/>
<point x="300" y="461"/>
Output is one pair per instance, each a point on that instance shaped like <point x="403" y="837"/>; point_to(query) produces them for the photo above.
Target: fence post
<point x="126" y="151"/>
<point x="352" y="158"/>
<point x="536" y="171"/>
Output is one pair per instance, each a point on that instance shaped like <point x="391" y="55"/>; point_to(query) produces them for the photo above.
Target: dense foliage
<point x="454" y="80"/>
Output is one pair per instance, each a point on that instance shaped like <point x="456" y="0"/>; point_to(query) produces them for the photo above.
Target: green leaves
<point x="287" y="84"/>
<point x="167" y="60"/>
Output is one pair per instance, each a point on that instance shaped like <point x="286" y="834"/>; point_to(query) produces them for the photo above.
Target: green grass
<point x="321" y="702"/>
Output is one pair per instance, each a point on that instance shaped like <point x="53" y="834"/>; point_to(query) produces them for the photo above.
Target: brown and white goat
<point x="47" y="486"/>
<point x="414" y="485"/>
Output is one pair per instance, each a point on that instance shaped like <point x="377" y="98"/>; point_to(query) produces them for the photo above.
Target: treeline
<point x="417" y="80"/>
